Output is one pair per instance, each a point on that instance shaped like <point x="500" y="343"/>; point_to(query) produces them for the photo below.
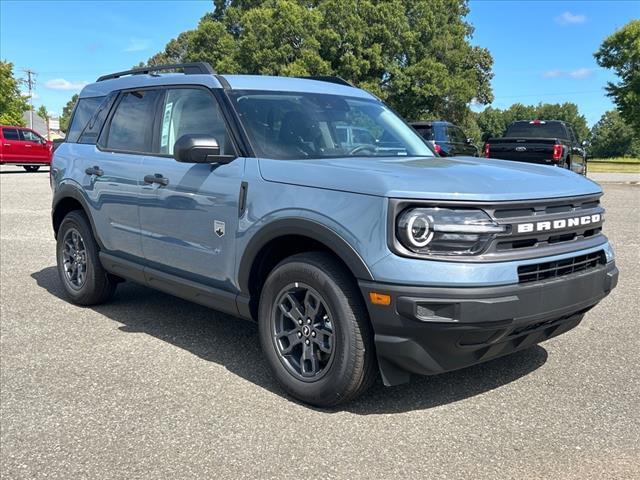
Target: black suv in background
<point x="448" y="139"/>
<point x="547" y="142"/>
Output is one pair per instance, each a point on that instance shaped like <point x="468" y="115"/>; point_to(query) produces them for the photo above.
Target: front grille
<point x="559" y="268"/>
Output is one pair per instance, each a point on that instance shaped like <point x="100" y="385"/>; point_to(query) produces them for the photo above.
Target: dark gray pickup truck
<point x="550" y="142"/>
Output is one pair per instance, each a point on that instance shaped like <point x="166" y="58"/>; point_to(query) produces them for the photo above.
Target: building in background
<point x="39" y="123"/>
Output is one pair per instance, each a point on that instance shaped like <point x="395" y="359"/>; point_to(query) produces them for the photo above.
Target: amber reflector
<point x="380" y="298"/>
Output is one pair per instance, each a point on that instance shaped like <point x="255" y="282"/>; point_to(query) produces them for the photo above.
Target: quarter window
<point x="131" y="127"/>
<point x="84" y="110"/>
<point x="192" y="111"/>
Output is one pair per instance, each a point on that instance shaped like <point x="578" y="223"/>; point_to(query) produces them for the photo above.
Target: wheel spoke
<point x="291" y="337"/>
<point x="312" y="305"/>
<point x="295" y="312"/>
<point x="324" y="340"/>
<point x="309" y="361"/>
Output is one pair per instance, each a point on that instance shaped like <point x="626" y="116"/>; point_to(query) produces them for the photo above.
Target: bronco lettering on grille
<point x="559" y="224"/>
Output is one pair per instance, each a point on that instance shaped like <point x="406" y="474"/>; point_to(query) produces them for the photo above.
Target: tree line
<point x="416" y="55"/>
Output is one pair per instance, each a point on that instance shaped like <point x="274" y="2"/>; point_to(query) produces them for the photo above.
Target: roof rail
<point x="194" y="68"/>
<point x="330" y="79"/>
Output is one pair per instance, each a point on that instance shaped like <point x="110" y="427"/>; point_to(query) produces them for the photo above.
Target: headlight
<point x="446" y="231"/>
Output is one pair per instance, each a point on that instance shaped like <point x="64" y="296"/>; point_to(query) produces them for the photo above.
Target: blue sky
<point x="542" y="50"/>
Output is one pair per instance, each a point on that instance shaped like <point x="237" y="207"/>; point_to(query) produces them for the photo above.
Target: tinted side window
<point x="83" y="112"/>
<point x="131" y="126"/>
<point x="192" y="111"/>
<point x="30" y="136"/>
<point x="11" y="133"/>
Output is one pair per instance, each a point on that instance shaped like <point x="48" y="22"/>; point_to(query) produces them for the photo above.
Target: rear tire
<point x="315" y="331"/>
<point x="84" y="279"/>
<point x="31" y="168"/>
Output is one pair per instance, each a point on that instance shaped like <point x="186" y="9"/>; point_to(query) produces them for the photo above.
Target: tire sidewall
<point x="328" y="388"/>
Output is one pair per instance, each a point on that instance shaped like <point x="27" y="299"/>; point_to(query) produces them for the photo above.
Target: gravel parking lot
<point x="152" y="386"/>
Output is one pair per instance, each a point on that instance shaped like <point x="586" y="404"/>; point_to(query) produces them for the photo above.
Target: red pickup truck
<point x="22" y="146"/>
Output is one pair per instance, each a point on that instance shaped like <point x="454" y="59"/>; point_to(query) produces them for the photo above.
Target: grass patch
<point x="624" y="160"/>
<point x="598" y="166"/>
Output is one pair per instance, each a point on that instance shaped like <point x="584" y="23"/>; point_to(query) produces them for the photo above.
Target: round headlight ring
<point x="418" y="230"/>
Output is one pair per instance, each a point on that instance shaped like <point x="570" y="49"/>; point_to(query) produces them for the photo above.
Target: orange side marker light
<point x="380" y="298"/>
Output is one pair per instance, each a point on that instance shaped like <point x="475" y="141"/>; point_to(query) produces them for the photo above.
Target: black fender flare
<point x="68" y="190"/>
<point x="305" y="227"/>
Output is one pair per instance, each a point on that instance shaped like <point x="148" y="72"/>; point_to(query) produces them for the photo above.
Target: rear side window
<point x="11" y="133"/>
<point x="83" y="112"/>
<point x="131" y="127"/>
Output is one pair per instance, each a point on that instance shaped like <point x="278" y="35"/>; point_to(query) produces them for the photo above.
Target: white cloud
<point x="553" y="73"/>
<point x="578" y="73"/>
<point x="62" y="84"/>
<point x="137" y="45"/>
<point x="568" y="18"/>
<point x="581" y="73"/>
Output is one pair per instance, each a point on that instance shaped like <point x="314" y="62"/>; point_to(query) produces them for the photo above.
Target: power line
<point x="31" y="83"/>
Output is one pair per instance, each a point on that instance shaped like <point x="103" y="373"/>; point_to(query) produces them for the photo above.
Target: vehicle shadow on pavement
<point x="234" y="344"/>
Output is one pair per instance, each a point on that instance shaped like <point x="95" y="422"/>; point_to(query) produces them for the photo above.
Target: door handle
<point x="7" y="144"/>
<point x="156" y="178"/>
<point x="28" y="146"/>
<point x="95" y="170"/>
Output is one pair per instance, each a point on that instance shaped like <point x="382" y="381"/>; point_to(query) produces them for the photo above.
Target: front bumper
<point x="428" y="330"/>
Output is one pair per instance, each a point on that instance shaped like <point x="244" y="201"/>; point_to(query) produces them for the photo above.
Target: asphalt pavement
<point x="150" y="386"/>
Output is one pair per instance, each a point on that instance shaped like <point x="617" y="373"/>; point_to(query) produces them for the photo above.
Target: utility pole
<point x="31" y="83"/>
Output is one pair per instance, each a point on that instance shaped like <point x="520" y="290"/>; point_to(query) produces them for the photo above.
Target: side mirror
<point x="193" y="148"/>
<point x="470" y="140"/>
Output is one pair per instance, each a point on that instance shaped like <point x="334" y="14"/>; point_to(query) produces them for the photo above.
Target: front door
<point x="36" y="146"/>
<point x="189" y="216"/>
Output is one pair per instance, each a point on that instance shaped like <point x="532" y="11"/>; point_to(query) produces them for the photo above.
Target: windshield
<point x="292" y="125"/>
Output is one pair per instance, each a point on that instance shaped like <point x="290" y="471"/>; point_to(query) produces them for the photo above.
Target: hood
<point x="455" y="178"/>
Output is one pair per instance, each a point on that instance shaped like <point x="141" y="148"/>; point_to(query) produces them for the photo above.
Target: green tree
<point x="612" y="137"/>
<point x="43" y="113"/>
<point x="12" y="103"/>
<point x="621" y="52"/>
<point x="414" y="54"/>
<point x="66" y="113"/>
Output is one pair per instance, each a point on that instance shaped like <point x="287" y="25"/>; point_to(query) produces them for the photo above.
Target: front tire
<point x="31" y="168"/>
<point x="315" y="332"/>
<point x="84" y="279"/>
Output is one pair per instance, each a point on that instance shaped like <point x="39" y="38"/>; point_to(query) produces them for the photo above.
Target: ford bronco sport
<point x="356" y="256"/>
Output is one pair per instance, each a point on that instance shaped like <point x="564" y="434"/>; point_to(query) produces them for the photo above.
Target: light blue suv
<point x="308" y="206"/>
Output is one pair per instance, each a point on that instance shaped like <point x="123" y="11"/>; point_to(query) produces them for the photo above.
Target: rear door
<point x="13" y="149"/>
<point x="113" y="169"/>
